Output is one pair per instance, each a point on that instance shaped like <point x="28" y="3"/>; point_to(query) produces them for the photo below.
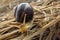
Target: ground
<point x="46" y="16"/>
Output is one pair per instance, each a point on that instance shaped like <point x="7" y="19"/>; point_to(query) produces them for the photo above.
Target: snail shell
<point x="21" y="10"/>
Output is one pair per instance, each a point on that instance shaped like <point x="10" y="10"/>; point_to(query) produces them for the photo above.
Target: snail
<point x="24" y="14"/>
